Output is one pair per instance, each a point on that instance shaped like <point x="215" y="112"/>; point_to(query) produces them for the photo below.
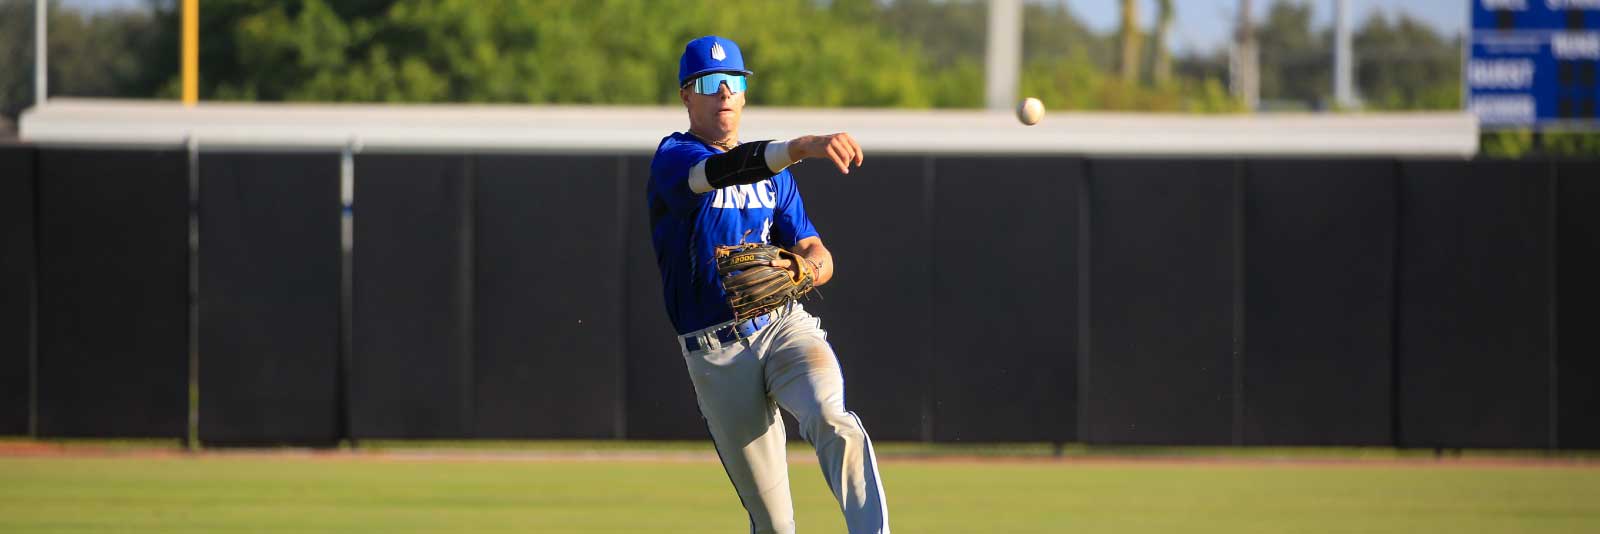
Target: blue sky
<point x="102" y="3"/>
<point x="1205" y="24"/>
<point x="1200" y="25"/>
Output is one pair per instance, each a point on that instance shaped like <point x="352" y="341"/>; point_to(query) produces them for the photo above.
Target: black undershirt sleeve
<point x="745" y="164"/>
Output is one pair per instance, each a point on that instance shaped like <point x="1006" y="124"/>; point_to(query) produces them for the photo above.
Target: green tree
<point x="1406" y="65"/>
<point x="1070" y="67"/>
<point x="91" y="55"/>
<point x="571" y="51"/>
<point x="1065" y="63"/>
<point x="16" y="58"/>
<point x="946" y="32"/>
<point x="951" y="36"/>
<point x="1295" y="60"/>
<point x="1052" y="31"/>
<point x="905" y="53"/>
<point x="1403" y="64"/>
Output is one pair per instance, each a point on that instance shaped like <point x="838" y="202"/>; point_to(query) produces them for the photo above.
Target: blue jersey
<point x="686" y="227"/>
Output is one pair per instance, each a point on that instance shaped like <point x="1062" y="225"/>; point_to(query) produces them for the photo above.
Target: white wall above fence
<point x="636" y="130"/>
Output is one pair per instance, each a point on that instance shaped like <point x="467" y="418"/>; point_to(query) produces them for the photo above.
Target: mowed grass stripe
<point x="300" y="494"/>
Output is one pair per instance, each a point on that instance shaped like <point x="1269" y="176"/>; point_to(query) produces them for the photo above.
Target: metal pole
<point x="1344" y="94"/>
<point x="191" y="52"/>
<point x="1003" y="61"/>
<point x="347" y="196"/>
<point x="41" y="74"/>
<point x="192" y="440"/>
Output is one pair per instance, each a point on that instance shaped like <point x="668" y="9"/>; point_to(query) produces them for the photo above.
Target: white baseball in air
<point x="1030" y="111"/>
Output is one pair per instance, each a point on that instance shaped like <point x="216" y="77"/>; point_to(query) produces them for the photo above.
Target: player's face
<point x="717" y="113"/>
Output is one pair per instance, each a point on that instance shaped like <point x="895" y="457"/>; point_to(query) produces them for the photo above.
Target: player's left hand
<point x="791" y="266"/>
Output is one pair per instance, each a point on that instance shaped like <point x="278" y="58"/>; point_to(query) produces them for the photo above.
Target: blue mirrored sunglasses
<point x="711" y="84"/>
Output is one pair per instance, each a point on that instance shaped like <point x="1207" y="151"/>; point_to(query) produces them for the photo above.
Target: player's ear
<point x="683" y="96"/>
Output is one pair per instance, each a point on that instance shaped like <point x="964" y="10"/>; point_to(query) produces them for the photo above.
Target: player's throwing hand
<point x="839" y="147"/>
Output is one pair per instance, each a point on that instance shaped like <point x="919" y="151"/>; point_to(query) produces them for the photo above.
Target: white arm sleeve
<point x="697" y="178"/>
<point x="778" y="156"/>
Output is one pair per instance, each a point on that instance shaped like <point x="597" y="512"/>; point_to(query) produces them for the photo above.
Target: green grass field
<point x="342" y="492"/>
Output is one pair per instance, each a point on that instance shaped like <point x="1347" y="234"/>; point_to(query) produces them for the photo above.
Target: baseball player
<point x="708" y="190"/>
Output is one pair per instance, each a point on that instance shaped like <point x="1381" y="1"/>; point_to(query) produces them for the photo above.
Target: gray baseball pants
<point x="741" y="384"/>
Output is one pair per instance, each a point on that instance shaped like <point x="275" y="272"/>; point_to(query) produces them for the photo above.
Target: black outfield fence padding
<point x="411" y="362"/>
<point x="1182" y="301"/>
<point x="1004" y="277"/>
<point x="548" y="302"/>
<point x="269" y="298"/>
<point x="113" y="293"/>
<point x="1318" y="271"/>
<point x="1577" y="369"/>
<point x="17" y="263"/>
<point x="1162" y="351"/>
<point x="1473" y="354"/>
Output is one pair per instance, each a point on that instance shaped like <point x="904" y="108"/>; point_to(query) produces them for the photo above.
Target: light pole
<point x="41" y="74"/>
<point x="1003" y="56"/>
<point x="1344" y="94"/>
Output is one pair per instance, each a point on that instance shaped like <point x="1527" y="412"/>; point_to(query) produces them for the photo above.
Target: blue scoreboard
<point x="1532" y="63"/>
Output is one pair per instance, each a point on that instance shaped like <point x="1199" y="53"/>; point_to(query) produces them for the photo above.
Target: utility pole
<point x="191" y="52"/>
<point x="1344" y="94"/>
<point x="1244" y="65"/>
<point x="41" y="46"/>
<point x="1003" y="57"/>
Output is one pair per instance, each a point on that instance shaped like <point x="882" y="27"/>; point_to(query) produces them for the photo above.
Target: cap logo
<point x="717" y="53"/>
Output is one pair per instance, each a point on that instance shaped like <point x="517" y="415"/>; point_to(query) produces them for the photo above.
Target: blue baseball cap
<point x="707" y="55"/>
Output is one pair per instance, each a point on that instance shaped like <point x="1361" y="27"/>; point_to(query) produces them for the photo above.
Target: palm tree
<point x="1162" y="71"/>
<point x="1130" y="41"/>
